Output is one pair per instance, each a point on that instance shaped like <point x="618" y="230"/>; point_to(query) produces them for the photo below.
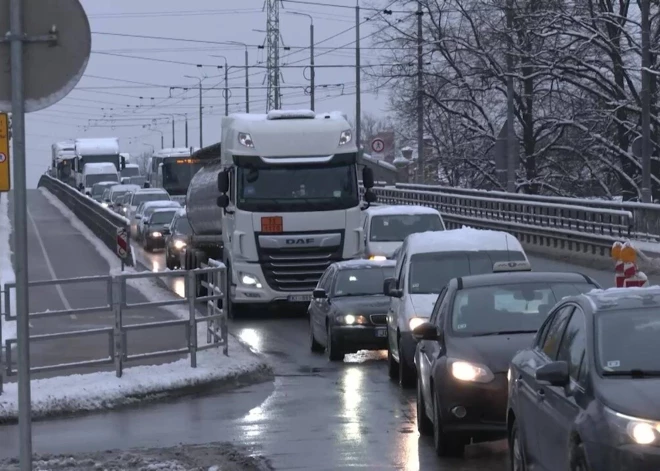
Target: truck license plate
<point x="300" y="298"/>
<point x="381" y="332"/>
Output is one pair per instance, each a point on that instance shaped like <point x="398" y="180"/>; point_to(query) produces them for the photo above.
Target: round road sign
<point x="378" y="145"/>
<point x="3" y="157"/>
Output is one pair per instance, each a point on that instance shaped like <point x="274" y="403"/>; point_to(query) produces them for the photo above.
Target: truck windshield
<point x="100" y="177"/>
<point x="177" y="174"/>
<point x="130" y="172"/>
<point x="99" y="159"/>
<point x="297" y="188"/>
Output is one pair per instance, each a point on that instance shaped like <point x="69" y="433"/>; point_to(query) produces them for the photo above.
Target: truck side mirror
<point x="222" y="201"/>
<point x="223" y="182"/>
<point x="367" y="177"/>
<point x="370" y="196"/>
<point x="122" y="164"/>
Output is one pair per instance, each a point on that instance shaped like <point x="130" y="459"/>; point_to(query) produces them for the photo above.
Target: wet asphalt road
<point x="316" y="415"/>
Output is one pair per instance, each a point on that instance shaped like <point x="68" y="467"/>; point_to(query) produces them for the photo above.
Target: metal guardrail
<point x="118" y="352"/>
<point x="103" y="222"/>
<point x="562" y="226"/>
<point x="646" y="216"/>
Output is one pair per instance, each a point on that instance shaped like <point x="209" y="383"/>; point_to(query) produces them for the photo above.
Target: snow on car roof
<point x="465" y="239"/>
<point x="153" y="204"/>
<point x="400" y="209"/>
<point x="152" y="190"/>
<point x="165" y="210"/>
<point x="122" y="187"/>
<point x="362" y="263"/>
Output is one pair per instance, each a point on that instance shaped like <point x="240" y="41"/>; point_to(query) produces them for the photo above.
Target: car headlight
<point x="104" y="204"/>
<point x="179" y="244"/>
<point x="124" y="209"/>
<point x="471" y="372"/>
<point x="416" y="322"/>
<point x="379" y="258"/>
<point x="245" y="139"/>
<point x="250" y="280"/>
<point x="345" y="137"/>
<point x="156" y="234"/>
<point x="351" y="319"/>
<point x="634" y="430"/>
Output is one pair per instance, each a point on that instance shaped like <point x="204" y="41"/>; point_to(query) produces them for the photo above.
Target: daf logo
<point x="301" y="241"/>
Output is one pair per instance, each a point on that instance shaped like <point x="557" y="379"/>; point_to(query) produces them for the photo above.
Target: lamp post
<point x="311" y="53"/>
<point x="226" y="93"/>
<point x="247" y="77"/>
<point x="201" y="122"/>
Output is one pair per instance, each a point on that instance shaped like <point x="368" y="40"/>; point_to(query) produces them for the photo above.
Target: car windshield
<point x="117" y="194"/>
<point x="98" y="189"/>
<point x="396" y="227"/>
<point x="144" y="197"/>
<point x="183" y="226"/>
<point x="628" y="340"/>
<point x="164" y="217"/>
<point x="430" y="272"/>
<point x="361" y="281"/>
<point x="520" y="307"/>
<point x="90" y="180"/>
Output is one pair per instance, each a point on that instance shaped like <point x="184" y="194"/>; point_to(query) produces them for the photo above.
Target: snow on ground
<point x="211" y="457"/>
<point x="103" y="390"/>
<point x="6" y="268"/>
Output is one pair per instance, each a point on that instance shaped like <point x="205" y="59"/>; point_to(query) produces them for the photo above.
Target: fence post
<point x="2" y="314"/>
<point x="191" y="293"/>
<point x="224" y="286"/>
<point x="117" y="301"/>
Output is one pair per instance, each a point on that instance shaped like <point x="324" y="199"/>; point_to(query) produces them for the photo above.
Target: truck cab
<point x="287" y="203"/>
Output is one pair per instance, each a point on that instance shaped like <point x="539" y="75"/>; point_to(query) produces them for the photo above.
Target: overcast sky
<point x="140" y="109"/>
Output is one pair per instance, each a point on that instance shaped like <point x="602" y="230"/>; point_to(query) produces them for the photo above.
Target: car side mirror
<point x="123" y="163"/>
<point x="222" y="201"/>
<point x="223" y="182"/>
<point x="426" y="331"/>
<point x="319" y="294"/>
<point x="387" y="286"/>
<point x="555" y="373"/>
<point x="367" y="177"/>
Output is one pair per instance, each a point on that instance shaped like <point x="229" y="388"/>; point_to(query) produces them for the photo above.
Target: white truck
<point x="97" y="173"/>
<point x="96" y="151"/>
<point x="63" y="156"/>
<point x="278" y="205"/>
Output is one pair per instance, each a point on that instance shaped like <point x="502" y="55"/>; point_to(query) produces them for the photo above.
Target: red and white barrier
<point x="626" y="271"/>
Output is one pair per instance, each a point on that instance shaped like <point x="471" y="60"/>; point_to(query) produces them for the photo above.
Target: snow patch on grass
<point x="6" y="269"/>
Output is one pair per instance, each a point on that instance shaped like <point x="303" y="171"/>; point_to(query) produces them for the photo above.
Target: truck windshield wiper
<point x="350" y="295"/>
<point x="505" y="332"/>
<point x="634" y="373"/>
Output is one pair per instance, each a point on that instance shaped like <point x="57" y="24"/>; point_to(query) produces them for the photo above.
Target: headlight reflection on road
<point x="352" y="384"/>
<point x="155" y="266"/>
<point x="180" y="287"/>
<point x="252" y="338"/>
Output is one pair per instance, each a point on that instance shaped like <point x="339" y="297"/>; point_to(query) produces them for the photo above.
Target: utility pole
<point x="311" y="55"/>
<point x="186" y="130"/>
<point x="247" y="81"/>
<point x="647" y="195"/>
<point x="358" y="92"/>
<point x="273" y="51"/>
<point x="420" y="97"/>
<point x="201" y="118"/>
<point x="510" y="135"/>
<point x="226" y="89"/>
<point x="173" y="134"/>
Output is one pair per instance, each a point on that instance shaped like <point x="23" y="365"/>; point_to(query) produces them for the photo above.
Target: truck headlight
<point x="250" y="280"/>
<point x="179" y="244"/>
<point x="378" y="258"/>
<point x="471" y="372"/>
<point x="634" y="430"/>
<point x="245" y="139"/>
<point x="156" y="234"/>
<point x="345" y="137"/>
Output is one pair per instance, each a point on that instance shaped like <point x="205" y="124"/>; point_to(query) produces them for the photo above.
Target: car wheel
<point x="516" y="452"/>
<point x="445" y="445"/>
<point x="407" y="374"/>
<point x="314" y="346"/>
<point x="424" y="424"/>
<point x="334" y="353"/>
<point x="392" y="365"/>
<point x="579" y="459"/>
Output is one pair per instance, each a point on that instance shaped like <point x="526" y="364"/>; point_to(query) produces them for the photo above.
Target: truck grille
<point x="378" y="319"/>
<point x="297" y="269"/>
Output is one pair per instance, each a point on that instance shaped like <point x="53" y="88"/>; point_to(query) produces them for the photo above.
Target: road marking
<point x="65" y="302"/>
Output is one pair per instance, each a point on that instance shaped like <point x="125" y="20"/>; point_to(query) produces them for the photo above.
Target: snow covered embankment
<point x="6" y="268"/>
<point x="101" y="391"/>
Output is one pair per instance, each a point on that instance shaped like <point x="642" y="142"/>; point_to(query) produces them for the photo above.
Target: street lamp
<point x="226" y="85"/>
<point x="311" y="51"/>
<point x="201" y="122"/>
<point x="247" y="77"/>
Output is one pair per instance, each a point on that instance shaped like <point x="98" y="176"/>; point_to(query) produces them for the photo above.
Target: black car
<point x="586" y="394"/>
<point x="348" y="311"/>
<point x="180" y="232"/>
<point x="463" y="352"/>
<point x="156" y="228"/>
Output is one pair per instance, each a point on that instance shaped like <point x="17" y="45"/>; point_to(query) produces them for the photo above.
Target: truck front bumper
<point x="250" y="287"/>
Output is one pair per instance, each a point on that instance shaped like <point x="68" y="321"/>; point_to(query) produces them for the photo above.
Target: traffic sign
<point x="5" y="171"/>
<point x="122" y="242"/>
<point x="56" y="57"/>
<point x="378" y="145"/>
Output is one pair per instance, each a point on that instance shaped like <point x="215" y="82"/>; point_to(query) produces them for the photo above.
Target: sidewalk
<point x="56" y="250"/>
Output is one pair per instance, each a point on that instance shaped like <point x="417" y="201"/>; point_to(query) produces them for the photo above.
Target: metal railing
<point x="118" y="351"/>
<point x="103" y="222"/>
<point x="646" y="216"/>
<point x="563" y="226"/>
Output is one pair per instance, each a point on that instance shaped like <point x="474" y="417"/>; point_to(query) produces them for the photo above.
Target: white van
<point x="96" y="173"/>
<point x="425" y="264"/>
<point x="386" y="227"/>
